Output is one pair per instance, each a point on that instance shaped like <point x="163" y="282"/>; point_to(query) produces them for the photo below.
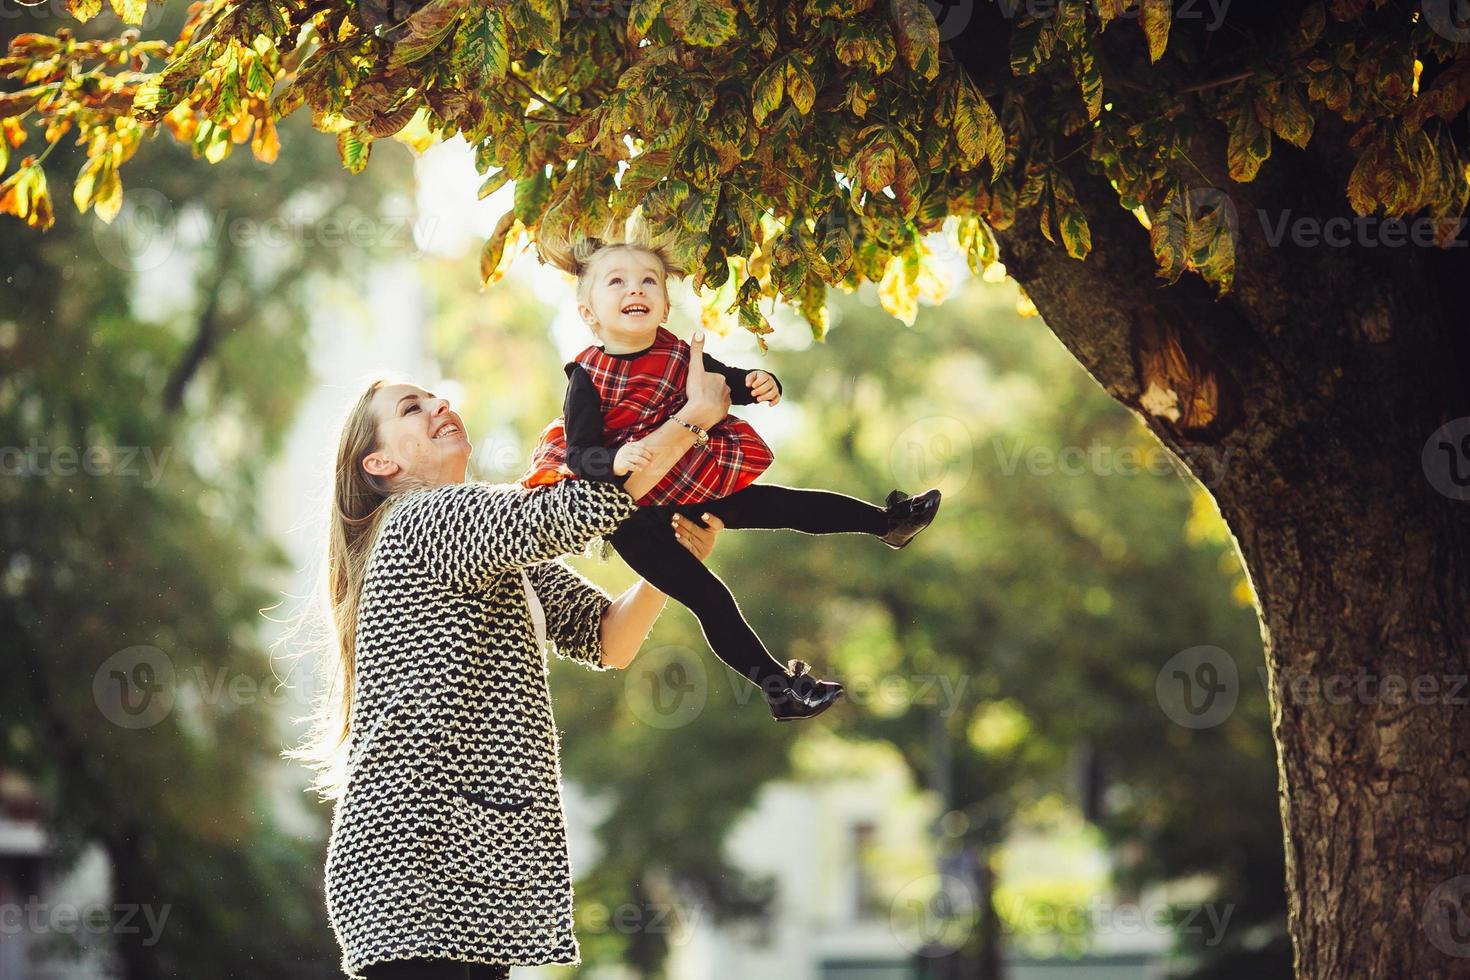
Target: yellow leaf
<point x="898" y="291"/>
<point x="84" y="10"/>
<point x="131" y="11"/>
<point x="108" y="201"/>
<point x="1154" y="16"/>
<point x="267" y="142"/>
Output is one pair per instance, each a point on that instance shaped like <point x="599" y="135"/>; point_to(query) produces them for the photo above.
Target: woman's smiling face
<point x="628" y="300"/>
<point x="421" y="442"/>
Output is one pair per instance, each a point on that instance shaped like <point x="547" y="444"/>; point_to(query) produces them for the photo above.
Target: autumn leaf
<point x="706" y="23"/>
<point x="84" y="10"/>
<point x="1154" y="17"/>
<point x="354" y="147"/>
<point x="977" y="131"/>
<point x="1249" y="144"/>
<point x="918" y="37"/>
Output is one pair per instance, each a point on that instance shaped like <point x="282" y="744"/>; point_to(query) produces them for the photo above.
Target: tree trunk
<point x="1303" y="401"/>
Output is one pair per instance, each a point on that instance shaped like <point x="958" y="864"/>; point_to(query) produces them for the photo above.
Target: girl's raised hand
<point x="631" y="457"/>
<point x="763" y="386"/>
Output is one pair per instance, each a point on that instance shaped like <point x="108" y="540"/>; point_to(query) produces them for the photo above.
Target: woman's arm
<point x="709" y="402"/>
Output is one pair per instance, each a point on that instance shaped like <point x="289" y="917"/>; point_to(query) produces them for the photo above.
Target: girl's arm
<point x="709" y="402"/>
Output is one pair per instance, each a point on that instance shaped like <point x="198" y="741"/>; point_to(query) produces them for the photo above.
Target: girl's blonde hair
<point x="358" y="500"/>
<point x="576" y="256"/>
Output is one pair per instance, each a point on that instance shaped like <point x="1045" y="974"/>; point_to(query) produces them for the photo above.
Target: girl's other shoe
<point x="907" y="516"/>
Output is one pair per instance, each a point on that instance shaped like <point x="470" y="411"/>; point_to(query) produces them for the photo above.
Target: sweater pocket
<point x="492" y="840"/>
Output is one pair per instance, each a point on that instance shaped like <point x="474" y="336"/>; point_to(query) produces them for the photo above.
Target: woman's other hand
<point x="699" y="540"/>
<point x="708" y="394"/>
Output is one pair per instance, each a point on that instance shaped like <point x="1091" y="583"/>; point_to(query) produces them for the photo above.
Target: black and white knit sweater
<point x="450" y="839"/>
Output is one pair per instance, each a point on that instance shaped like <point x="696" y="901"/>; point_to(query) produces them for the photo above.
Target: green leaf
<point x="493" y="183"/>
<point x="1032" y="43"/>
<point x="531" y="194"/>
<point x="770" y="85"/>
<point x="354" y="146"/>
<point x="976" y="129"/>
<point x="705" y="23"/>
<point x="481" y="49"/>
<point x="1250" y="142"/>
<point x="641" y="17"/>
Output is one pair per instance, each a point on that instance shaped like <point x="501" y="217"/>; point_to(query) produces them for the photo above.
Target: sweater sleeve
<point x="574" y="609"/>
<point x="587" y="456"/>
<point x="471" y="532"/>
<point x="735" y="378"/>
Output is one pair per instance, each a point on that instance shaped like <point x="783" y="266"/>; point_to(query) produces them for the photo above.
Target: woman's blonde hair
<point x="357" y="509"/>
<point x="576" y="256"/>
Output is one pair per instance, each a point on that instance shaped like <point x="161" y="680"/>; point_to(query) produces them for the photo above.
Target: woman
<point x="448" y="842"/>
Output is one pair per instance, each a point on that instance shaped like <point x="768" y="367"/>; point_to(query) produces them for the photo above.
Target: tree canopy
<point x="782" y="148"/>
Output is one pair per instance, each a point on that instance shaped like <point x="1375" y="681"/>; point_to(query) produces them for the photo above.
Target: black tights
<point x="420" y="968"/>
<point x="646" y="543"/>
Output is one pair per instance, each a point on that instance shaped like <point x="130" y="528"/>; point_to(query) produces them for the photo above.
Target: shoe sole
<point x="817" y="712"/>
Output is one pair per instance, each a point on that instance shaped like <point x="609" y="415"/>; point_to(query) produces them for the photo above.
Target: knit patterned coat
<point x="450" y="839"/>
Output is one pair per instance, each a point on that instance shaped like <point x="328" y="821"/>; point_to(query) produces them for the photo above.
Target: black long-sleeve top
<point x="587" y="454"/>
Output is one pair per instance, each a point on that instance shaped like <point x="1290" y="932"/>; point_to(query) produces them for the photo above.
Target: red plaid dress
<point x="644" y="392"/>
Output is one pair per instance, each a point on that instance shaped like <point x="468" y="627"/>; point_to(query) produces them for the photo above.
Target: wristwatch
<point x="701" y="437"/>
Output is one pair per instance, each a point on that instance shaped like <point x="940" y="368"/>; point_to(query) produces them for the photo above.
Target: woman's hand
<point x="699" y="540"/>
<point x="708" y="394"/>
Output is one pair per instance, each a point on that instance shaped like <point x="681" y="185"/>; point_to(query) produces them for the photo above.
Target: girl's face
<point x="421" y="442"/>
<point x="628" y="299"/>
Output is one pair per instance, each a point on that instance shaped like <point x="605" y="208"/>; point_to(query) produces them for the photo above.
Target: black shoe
<point x="907" y="516"/>
<point x="802" y="696"/>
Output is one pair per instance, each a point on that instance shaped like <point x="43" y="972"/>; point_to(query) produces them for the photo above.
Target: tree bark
<point x="1302" y="400"/>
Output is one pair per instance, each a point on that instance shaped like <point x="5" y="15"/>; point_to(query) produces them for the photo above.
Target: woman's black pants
<point x="644" y="541"/>
<point x="420" y="968"/>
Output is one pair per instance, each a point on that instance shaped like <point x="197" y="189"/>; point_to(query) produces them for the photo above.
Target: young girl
<point x="632" y="383"/>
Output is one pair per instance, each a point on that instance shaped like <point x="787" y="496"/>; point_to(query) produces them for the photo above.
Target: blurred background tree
<point x="151" y="369"/>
